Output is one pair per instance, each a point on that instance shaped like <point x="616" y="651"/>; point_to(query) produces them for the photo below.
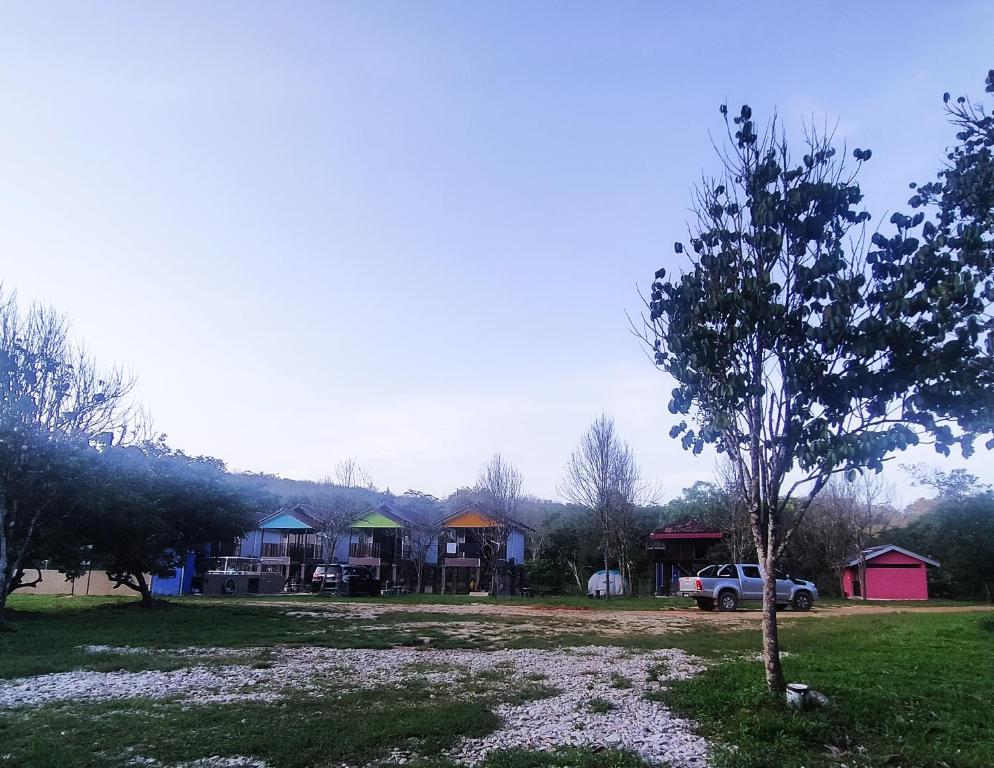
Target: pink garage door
<point x="896" y="582"/>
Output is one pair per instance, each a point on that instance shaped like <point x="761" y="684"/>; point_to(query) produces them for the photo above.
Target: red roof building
<point x="679" y="549"/>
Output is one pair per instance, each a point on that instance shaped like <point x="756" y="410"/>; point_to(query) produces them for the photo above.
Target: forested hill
<point x="282" y="491"/>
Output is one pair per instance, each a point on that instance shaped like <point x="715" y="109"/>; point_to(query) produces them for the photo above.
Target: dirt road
<point x="569" y="619"/>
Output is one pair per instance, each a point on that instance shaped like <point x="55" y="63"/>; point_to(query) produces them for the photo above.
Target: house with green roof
<point x="381" y="538"/>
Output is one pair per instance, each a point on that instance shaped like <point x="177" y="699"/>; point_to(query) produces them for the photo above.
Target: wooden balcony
<point x="296" y="553"/>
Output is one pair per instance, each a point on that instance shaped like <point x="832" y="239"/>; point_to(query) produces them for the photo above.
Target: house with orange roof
<point x="478" y="552"/>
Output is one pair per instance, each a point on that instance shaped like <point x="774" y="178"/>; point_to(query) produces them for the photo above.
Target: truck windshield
<point x="727" y="572"/>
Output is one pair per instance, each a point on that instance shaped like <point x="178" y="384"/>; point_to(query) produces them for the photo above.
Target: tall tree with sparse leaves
<point x="56" y="405"/>
<point x="499" y="489"/>
<point x="799" y="350"/>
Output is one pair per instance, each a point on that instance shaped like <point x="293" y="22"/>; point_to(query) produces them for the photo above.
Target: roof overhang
<point x="878" y="551"/>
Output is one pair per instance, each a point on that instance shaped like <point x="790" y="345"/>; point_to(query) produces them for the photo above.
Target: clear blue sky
<point x="409" y="232"/>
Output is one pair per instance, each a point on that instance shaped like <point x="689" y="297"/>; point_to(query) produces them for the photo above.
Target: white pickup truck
<point x="725" y="586"/>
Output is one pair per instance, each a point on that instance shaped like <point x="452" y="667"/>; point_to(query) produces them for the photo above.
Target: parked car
<point x="725" y="586"/>
<point x="359" y="581"/>
<point x="326" y="578"/>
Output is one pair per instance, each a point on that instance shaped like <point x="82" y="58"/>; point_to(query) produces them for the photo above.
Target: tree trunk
<point x="607" y="579"/>
<point x="862" y="575"/>
<point x="10" y="567"/>
<point x="576" y="574"/>
<point x="145" y="591"/>
<point x="138" y="584"/>
<point x="4" y="582"/>
<point x="771" y="641"/>
<point x="5" y="570"/>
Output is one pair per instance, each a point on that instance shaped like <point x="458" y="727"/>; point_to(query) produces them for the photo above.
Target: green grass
<point x="599" y="706"/>
<point x="905" y="690"/>
<point x="839" y="602"/>
<point x="296" y="733"/>
<point x="620" y="681"/>
<point x="909" y="689"/>
<point x="50" y="630"/>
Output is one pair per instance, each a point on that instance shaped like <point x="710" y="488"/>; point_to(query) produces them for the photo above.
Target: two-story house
<point x="384" y="539"/>
<point x="292" y="540"/>
<point x="475" y="547"/>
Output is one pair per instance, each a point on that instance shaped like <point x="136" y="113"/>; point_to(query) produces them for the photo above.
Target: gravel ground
<point x="594" y="674"/>
<point x="611" y="678"/>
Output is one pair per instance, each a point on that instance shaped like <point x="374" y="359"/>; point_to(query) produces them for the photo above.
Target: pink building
<point x="892" y="573"/>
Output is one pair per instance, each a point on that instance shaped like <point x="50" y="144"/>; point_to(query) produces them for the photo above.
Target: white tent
<point x="597" y="585"/>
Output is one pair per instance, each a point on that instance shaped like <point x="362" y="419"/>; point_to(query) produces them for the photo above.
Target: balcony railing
<point x="365" y="549"/>
<point x="462" y="550"/>
<point x="296" y="552"/>
<point x="372" y="549"/>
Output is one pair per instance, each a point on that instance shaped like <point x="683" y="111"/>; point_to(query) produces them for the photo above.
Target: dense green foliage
<point x="138" y="510"/>
<point x="152" y="505"/>
<point x="957" y="533"/>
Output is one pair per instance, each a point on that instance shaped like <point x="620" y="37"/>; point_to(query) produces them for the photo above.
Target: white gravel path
<point x="634" y="723"/>
<point x="578" y="674"/>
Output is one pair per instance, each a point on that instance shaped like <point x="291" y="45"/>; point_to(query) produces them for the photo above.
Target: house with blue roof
<point x="289" y="539"/>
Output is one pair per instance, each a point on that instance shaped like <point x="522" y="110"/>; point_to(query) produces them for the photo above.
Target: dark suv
<point x="359" y="581"/>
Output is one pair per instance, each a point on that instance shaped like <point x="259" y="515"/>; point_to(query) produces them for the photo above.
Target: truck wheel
<point x="705" y="604"/>
<point x="728" y="601"/>
<point x="802" y="601"/>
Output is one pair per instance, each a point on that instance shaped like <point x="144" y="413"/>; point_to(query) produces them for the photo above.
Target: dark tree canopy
<point x="145" y="507"/>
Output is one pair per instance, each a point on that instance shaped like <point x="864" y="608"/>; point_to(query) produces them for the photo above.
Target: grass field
<point x="906" y="689"/>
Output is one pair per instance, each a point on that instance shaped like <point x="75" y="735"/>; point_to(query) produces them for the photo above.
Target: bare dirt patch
<point x="525" y="618"/>
<point x="622" y="621"/>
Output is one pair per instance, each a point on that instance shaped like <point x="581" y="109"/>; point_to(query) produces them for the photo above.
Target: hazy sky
<point x="409" y="232"/>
